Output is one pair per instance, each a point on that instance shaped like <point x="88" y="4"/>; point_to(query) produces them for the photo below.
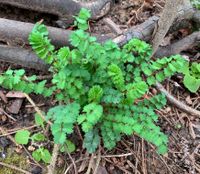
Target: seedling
<point x="100" y="87"/>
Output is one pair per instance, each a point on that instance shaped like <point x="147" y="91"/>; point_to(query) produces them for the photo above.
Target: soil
<point x="183" y="129"/>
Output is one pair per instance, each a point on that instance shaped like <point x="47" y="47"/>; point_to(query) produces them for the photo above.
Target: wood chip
<point x="15" y="106"/>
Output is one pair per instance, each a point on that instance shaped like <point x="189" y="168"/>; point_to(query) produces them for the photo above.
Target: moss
<point x="12" y="158"/>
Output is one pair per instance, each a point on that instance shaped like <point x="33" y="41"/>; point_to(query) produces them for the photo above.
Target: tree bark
<point x="62" y="8"/>
<point x="179" y="46"/>
<point x="14" y="31"/>
<point x="169" y="14"/>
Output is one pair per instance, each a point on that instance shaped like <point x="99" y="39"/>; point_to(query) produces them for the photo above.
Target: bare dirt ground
<point x="132" y="154"/>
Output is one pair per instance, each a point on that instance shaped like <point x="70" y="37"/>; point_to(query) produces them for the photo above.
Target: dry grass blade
<point x="176" y="102"/>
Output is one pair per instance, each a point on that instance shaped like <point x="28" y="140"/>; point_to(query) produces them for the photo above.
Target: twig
<point x="14" y="131"/>
<point x="79" y="132"/>
<point x="115" y="28"/>
<point x="117" y="156"/>
<point x="3" y="131"/>
<point x="9" y="116"/>
<point x="176" y="102"/>
<point x="37" y="109"/>
<point x="74" y="164"/>
<point x="97" y="161"/>
<point x="143" y="158"/>
<point x="90" y="164"/>
<point x="52" y="165"/>
<point x="179" y="46"/>
<point x="102" y="156"/>
<point x="14" y="168"/>
<point x="30" y="156"/>
<point x="133" y="167"/>
<point x="124" y="170"/>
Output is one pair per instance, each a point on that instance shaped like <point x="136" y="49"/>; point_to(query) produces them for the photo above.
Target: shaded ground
<point x="132" y="154"/>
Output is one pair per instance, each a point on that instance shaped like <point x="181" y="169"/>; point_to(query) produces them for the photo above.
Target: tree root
<point x="176" y="102"/>
<point x="179" y="46"/>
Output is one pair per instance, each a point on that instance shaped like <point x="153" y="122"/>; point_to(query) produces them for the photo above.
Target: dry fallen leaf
<point x="188" y="100"/>
<point x="15" y="94"/>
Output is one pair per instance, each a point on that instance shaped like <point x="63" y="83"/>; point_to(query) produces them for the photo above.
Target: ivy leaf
<point x="68" y="146"/>
<point x="37" y="155"/>
<point x="46" y="156"/>
<point x="22" y="137"/>
<point x="42" y="154"/>
<point x="39" y="121"/>
<point x="191" y="83"/>
<point x="38" y="137"/>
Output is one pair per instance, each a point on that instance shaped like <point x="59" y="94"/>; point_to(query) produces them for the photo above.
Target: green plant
<point x="196" y="3"/>
<point x="191" y="76"/>
<point x="68" y="146"/>
<point x="42" y="154"/>
<point x="99" y="86"/>
<point x="24" y="137"/>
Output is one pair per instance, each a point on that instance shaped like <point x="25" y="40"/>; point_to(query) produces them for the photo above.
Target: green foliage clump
<point x="101" y="87"/>
<point x="192" y="76"/>
<point x="196" y="4"/>
<point x="40" y="154"/>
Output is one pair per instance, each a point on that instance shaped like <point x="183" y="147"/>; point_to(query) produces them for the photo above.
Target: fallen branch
<point x="62" y="8"/>
<point x="15" y="31"/>
<point x="142" y="31"/>
<point x="22" y="57"/>
<point x="73" y="162"/>
<point x="176" y="102"/>
<point x="39" y="112"/>
<point x="179" y="46"/>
